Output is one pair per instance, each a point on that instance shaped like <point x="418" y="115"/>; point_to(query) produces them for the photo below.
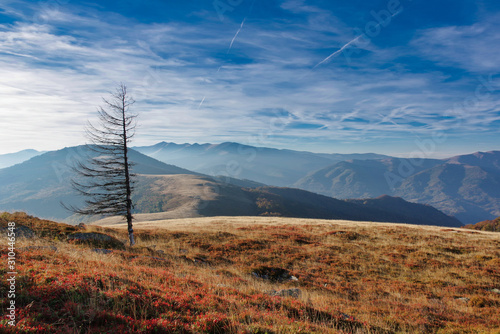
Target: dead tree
<point x="105" y="178"/>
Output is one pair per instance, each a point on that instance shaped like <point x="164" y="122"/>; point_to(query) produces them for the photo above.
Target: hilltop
<point x="486" y="225"/>
<point x="256" y="275"/>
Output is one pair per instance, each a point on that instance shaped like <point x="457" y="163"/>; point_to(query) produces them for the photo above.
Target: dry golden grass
<point x="354" y="277"/>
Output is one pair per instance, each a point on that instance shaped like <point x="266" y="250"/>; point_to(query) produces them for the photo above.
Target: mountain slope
<point x="165" y="191"/>
<point x="183" y="196"/>
<point x="486" y="225"/>
<point x="299" y="203"/>
<point x="41" y="183"/>
<point x="360" y="178"/>
<point x="486" y="160"/>
<point x="11" y="159"/>
<point x="467" y="187"/>
<point x="254" y="275"/>
<point x="468" y="192"/>
<point x="266" y="165"/>
<point x="425" y="214"/>
<point x="186" y="196"/>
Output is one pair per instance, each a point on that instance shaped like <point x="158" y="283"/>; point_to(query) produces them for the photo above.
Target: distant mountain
<point x="265" y="165"/>
<point x="185" y="196"/>
<point x="425" y="214"/>
<point x="165" y="191"/>
<point x="11" y="159"/>
<point x="299" y="203"/>
<point x="486" y="160"/>
<point x="39" y="184"/>
<point x="466" y="187"/>
<point x="361" y="178"/>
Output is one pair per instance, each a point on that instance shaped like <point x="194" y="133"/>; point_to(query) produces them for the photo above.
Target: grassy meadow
<point x="254" y="275"/>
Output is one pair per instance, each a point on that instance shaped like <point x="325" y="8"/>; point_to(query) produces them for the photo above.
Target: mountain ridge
<point x="464" y="186"/>
<point x="277" y="167"/>
<point x="11" y="159"/>
<point x="42" y="182"/>
<point x="467" y="186"/>
<point x="177" y="191"/>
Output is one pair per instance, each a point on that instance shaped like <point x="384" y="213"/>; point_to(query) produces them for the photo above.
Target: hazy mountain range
<point x="167" y="191"/>
<point x="466" y="186"/>
<point x="10" y="159"/>
<point x="266" y="165"/>
<point x="41" y="183"/>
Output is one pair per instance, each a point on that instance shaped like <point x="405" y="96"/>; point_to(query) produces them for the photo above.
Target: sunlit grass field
<point x="225" y="274"/>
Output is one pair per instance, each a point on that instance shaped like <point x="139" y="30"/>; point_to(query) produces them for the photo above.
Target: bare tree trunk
<point x="127" y="172"/>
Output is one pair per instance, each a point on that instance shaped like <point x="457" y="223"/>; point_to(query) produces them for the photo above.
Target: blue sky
<point x="399" y="77"/>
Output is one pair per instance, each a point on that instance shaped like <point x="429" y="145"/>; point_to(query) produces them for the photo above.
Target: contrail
<point x="203" y="100"/>
<point x="20" y="54"/>
<point x="347" y="45"/>
<point x="338" y="51"/>
<point x="236" y="35"/>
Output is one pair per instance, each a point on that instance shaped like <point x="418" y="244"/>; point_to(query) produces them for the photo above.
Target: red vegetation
<point x="486" y="225"/>
<point x="353" y="280"/>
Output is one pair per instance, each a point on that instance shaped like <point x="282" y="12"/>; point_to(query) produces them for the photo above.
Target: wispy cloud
<point x="190" y="87"/>
<point x="473" y="48"/>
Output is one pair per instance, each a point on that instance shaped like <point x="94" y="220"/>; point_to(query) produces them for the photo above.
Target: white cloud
<point x="474" y="48"/>
<point x="51" y="81"/>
